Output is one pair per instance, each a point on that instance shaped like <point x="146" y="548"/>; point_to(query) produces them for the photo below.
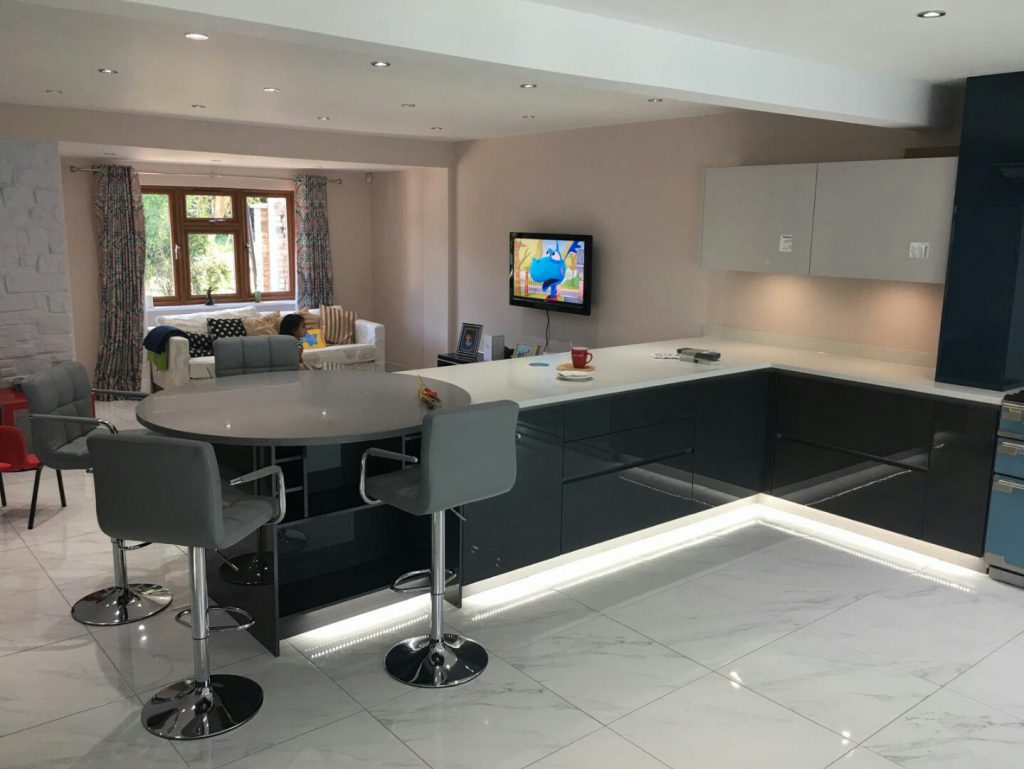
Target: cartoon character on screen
<point x="549" y="271"/>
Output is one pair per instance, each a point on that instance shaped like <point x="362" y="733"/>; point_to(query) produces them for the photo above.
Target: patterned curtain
<point x="121" y="228"/>
<point x="312" y="243"/>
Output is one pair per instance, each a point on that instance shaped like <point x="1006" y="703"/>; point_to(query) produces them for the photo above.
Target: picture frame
<point x="526" y="350"/>
<point x="470" y="337"/>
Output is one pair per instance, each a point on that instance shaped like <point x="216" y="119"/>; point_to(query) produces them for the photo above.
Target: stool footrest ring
<point x="244" y="620"/>
<point x="418" y="580"/>
<point x="135" y="547"/>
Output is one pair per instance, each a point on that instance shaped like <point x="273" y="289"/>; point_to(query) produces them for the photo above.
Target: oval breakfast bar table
<point x="331" y="547"/>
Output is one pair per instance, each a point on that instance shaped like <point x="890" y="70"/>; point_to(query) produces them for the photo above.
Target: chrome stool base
<point x="249" y="569"/>
<point x="183" y="711"/>
<point x="120" y="606"/>
<point x="436" y="665"/>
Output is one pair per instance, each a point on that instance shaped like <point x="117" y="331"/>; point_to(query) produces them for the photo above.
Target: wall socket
<point x="918" y="250"/>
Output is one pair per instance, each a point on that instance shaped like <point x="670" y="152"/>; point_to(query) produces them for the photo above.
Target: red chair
<point x="14" y="458"/>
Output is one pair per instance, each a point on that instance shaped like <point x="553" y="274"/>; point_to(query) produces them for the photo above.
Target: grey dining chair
<point x="466" y="454"/>
<point x="60" y="410"/>
<point x="198" y="510"/>
<point x="233" y="356"/>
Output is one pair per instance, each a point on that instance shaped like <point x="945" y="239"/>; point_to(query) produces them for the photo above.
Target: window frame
<point x="181" y="227"/>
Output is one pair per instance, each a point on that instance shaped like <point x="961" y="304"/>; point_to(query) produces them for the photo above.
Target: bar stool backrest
<point x="233" y="356"/>
<point x="467" y="454"/>
<point x="62" y="390"/>
<point x="157" y="489"/>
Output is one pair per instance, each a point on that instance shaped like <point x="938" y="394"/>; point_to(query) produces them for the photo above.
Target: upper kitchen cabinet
<point x="758" y="218"/>
<point x="883" y="219"/>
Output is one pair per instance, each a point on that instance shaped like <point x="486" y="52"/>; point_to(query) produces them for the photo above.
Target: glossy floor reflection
<point x="753" y="647"/>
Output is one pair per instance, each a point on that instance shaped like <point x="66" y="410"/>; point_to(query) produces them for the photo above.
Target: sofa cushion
<point x="221" y="328"/>
<point x="266" y="324"/>
<point x="338" y="324"/>
<point x="196" y="321"/>
<point x="201" y="368"/>
<point x="199" y="344"/>
<point x="312" y="317"/>
<point x="340" y="355"/>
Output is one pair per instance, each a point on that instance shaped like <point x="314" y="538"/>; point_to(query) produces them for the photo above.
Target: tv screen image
<point x="550" y="271"/>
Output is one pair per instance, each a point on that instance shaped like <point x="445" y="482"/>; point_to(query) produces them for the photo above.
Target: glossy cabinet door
<point x="888" y="496"/>
<point x="758" y="218"/>
<point x="523" y="526"/>
<point x="732" y="450"/>
<point x="885" y="424"/>
<point x="615" y="413"/>
<point x="884" y="219"/>
<point x="960" y="470"/>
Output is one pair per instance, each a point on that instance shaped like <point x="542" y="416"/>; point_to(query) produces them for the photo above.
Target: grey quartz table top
<point x="294" y="408"/>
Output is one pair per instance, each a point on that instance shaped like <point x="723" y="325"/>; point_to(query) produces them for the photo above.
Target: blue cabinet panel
<point x="1005" y="536"/>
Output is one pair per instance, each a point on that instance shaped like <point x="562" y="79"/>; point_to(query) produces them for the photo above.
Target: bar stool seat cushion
<point x="403" y="490"/>
<point x="244" y="513"/>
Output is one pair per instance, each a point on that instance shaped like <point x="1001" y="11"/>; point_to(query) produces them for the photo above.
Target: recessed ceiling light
<point x="271" y="89"/>
<point x="53" y="92"/>
<point x="107" y="71"/>
<point x="380" y="64"/>
<point x="436" y="128"/>
<point x="527" y="85"/>
<point x="931" y="14"/>
<point x="198" y="106"/>
<point x="214" y="160"/>
<point x="407" y="105"/>
<point x="322" y="117"/>
<point x="655" y="100"/>
<point x="529" y="117"/>
<point x="110" y="154"/>
<point x="197" y="36"/>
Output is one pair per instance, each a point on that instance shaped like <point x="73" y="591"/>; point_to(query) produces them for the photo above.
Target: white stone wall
<point x="35" y="304"/>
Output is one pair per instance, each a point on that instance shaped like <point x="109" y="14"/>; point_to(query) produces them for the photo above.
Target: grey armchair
<point x="255" y="355"/>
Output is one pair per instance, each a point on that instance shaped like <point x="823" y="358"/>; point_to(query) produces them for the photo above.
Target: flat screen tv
<point x="550" y="271"/>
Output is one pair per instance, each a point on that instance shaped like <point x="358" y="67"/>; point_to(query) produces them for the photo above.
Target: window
<point x="232" y="243"/>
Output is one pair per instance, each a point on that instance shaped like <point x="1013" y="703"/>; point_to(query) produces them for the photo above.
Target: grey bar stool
<point x="193" y="509"/>
<point x="255" y="355"/>
<point x="466" y="454"/>
<point x="60" y="409"/>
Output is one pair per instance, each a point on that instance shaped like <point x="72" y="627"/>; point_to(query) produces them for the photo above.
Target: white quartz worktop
<point x="632" y="367"/>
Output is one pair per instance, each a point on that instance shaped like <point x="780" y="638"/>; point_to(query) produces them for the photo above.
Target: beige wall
<point x="348" y="211"/>
<point x="411" y="264"/>
<point x="637" y="189"/>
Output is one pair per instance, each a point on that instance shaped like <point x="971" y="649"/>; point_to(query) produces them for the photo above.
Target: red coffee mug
<point x="581" y="356"/>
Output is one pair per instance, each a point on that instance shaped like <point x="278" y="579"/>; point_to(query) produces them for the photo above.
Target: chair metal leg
<point x="204" y="705"/>
<point x="60" y="487"/>
<point x="3" y="492"/>
<point x="438" y="659"/>
<point x="123" y="603"/>
<point x="35" y="497"/>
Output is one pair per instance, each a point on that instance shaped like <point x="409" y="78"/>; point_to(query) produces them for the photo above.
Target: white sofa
<point x="366" y="354"/>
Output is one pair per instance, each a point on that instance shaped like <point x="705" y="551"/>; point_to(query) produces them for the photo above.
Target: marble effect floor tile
<point x="862" y="758"/>
<point x="297" y="698"/>
<point x="356" y="742"/>
<point x="706" y="626"/>
<point x="20" y="573"/>
<point x="9" y="538"/>
<point x="106" y="737"/>
<point x="951" y="731"/>
<point x="50" y="682"/>
<point x="35" y="618"/>
<point x="830" y="684"/>
<point x="716" y="723"/>
<point x="605" y="669"/>
<point x="998" y="680"/>
<point x="501" y="720"/>
<point x="87" y="557"/>
<point x="158" y="651"/>
<point x="600" y="749"/>
<point x="505" y="626"/>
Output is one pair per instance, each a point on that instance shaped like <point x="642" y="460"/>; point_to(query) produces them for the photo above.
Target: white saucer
<point x="575" y="376"/>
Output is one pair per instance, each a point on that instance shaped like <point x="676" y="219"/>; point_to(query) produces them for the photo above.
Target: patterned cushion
<point x="264" y="325"/>
<point x="312" y="317"/>
<point x="199" y="345"/>
<point x="314" y="339"/>
<point x="220" y="328"/>
<point x="339" y="324"/>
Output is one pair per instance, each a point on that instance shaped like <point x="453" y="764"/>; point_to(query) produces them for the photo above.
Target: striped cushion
<point x="338" y="324"/>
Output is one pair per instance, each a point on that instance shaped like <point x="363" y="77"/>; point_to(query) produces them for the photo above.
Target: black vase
<point x="209" y="297"/>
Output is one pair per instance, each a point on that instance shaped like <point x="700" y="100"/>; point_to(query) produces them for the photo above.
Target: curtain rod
<point x="211" y="174"/>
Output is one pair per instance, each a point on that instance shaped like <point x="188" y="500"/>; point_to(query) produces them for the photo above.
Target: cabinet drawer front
<point x="1010" y="457"/>
<point x="585" y="419"/>
<point x="630" y="447"/>
<point x="888" y="425"/>
<point x="617" y="503"/>
<point x="1005" y="536"/>
<point x="882" y="495"/>
<point x="1011" y="419"/>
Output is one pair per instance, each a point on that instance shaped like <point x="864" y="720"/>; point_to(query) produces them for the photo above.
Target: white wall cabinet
<point x="758" y="218"/>
<point x="878" y="219"/>
<point x="884" y="219"/>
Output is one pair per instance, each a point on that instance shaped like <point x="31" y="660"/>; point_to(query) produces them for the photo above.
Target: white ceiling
<point x="160" y="72"/>
<point x="976" y="37"/>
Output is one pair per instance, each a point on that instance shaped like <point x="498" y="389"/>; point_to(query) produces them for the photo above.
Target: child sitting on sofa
<point x="294" y="325"/>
